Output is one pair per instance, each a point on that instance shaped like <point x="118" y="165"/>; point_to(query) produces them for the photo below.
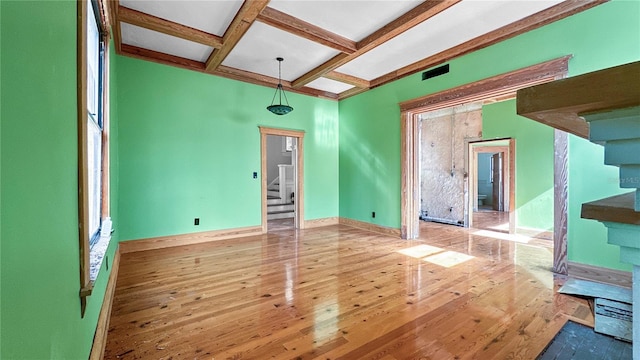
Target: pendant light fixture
<point x="280" y="108"/>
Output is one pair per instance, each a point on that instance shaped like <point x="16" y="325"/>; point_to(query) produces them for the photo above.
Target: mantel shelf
<point x="617" y="209"/>
<point x="560" y="104"/>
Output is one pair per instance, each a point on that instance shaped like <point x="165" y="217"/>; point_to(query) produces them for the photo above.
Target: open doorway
<point x="281" y="181"/>
<point x="281" y="172"/>
<point x="491" y="190"/>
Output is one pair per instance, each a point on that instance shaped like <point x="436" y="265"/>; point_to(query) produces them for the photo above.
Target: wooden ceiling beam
<point x="161" y="58"/>
<point x="222" y="71"/>
<point x="408" y="20"/>
<point x="247" y="14"/>
<point x="268" y="81"/>
<point x="539" y="19"/>
<point x="348" y="79"/>
<point x="151" y="22"/>
<point x="306" y="30"/>
<point x="351" y="92"/>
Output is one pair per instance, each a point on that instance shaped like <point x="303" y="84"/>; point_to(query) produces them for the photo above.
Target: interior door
<point x="497" y="179"/>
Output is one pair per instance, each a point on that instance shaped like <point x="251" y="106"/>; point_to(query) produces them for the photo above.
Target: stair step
<point x="274" y="208"/>
<point x="274" y="200"/>
<point x="614" y="125"/>
<point x="280" y="215"/>
<point x="619" y="209"/>
<point x="623" y="234"/>
<point x="630" y="176"/>
<point x="622" y="152"/>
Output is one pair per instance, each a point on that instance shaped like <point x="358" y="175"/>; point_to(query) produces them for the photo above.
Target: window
<point x="95" y="57"/>
<point x="93" y="164"/>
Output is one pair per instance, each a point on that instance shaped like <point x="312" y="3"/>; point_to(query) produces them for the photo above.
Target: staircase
<point x="280" y="203"/>
<point x="603" y="106"/>
<point x="278" y="208"/>
<point x="619" y="132"/>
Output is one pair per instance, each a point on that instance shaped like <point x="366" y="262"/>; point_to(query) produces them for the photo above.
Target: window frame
<point x="102" y="205"/>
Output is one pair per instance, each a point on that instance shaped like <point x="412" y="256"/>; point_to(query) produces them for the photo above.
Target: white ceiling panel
<point x="353" y="19"/>
<point x="460" y="23"/>
<point x="329" y="85"/>
<point x="211" y="16"/>
<point x="152" y="40"/>
<point x="262" y="44"/>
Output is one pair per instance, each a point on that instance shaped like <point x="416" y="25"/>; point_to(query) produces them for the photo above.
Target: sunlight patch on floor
<point x="436" y="255"/>
<point x="448" y="258"/>
<point x="420" y="251"/>
<point x="502" y="236"/>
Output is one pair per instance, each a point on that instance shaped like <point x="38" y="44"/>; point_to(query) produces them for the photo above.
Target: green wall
<point x="604" y="36"/>
<point x="189" y="143"/>
<point x="534" y="162"/>
<point x="589" y="180"/>
<point x="40" y="255"/>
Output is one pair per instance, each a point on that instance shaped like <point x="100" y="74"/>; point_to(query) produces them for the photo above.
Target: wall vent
<point x="440" y="70"/>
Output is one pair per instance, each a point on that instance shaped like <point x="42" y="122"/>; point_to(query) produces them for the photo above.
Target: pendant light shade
<point x="279" y="108"/>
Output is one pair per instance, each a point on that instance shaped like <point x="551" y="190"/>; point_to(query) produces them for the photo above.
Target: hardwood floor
<point x="340" y="293"/>
<point x="491" y="220"/>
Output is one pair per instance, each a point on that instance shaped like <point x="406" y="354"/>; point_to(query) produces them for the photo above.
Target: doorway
<point x="282" y="195"/>
<point x="492" y="185"/>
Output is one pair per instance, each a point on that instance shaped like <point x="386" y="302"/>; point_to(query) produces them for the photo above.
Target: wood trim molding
<point x="406" y="21"/>
<point x="503" y="85"/>
<point x="599" y="274"/>
<point x="497" y="86"/>
<point x="537" y="20"/>
<point x="315" y="223"/>
<point x="247" y="14"/>
<point x="370" y="227"/>
<point x="154" y="23"/>
<point x="116" y="30"/>
<point x="410" y="169"/>
<point x="102" y="329"/>
<point x="512" y="186"/>
<point x="162" y="242"/>
<point x="306" y="30"/>
<point x="561" y="201"/>
<point x="299" y="222"/>
<point x="509" y="151"/>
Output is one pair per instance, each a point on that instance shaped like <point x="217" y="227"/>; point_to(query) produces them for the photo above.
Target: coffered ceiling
<point x="332" y="49"/>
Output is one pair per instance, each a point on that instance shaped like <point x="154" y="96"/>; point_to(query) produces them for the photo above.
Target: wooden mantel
<point x="560" y="104"/>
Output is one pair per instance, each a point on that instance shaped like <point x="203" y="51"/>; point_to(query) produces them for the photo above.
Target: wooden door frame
<point x="299" y="188"/>
<point x="496" y="88"/>
<point x="509" y="186"/>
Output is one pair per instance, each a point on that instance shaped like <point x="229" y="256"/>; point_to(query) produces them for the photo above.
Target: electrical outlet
<point x="255" y="174"/>
<point x="196" y="221"/>
<point x="373" y="214"/>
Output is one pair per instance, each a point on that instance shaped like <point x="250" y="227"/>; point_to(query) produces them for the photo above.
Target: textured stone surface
<point x="442" y="160"/>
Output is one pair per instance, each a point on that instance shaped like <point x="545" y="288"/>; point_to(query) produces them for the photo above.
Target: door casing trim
<point x="299" y="197"/>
